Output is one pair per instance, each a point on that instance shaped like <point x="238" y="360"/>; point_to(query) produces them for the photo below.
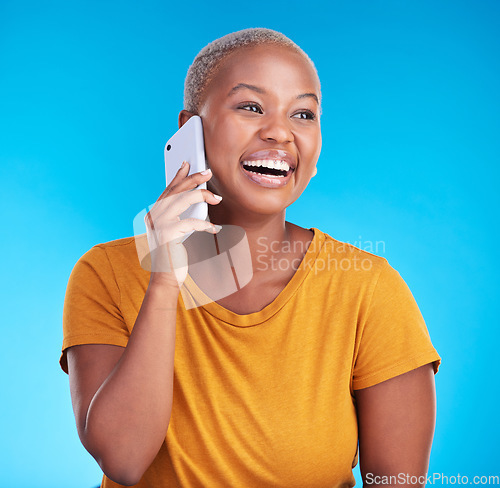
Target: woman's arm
<point x="122" y="397"/>
<point x="396" y="421"/>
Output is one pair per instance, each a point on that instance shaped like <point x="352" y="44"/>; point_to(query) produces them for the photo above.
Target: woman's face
<point x="261" y="110"/>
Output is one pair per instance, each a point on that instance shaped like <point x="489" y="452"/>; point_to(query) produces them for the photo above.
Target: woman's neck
<point x="264" y="233"/>
<point x="275" y="247"/>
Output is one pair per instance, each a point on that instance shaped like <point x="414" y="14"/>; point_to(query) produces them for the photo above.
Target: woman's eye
<point x="251" y="107"/>
<point x="305" y="115"/>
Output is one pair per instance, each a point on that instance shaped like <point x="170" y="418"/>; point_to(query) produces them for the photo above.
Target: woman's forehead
<point x="265" y="64"/>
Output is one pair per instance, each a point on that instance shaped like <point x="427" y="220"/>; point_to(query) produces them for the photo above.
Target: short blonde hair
<point x="208" y="60"/>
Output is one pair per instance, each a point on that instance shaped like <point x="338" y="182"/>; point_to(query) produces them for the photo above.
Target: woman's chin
<point x="244" y="208"/>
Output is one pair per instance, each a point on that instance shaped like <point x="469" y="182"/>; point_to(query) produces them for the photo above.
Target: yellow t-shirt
<point x="264" y="399"/>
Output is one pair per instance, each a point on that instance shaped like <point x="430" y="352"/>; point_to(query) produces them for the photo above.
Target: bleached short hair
<point x="208" y="60"/>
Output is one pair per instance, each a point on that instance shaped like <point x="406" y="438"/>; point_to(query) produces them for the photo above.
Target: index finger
<point x="183" y="171"/>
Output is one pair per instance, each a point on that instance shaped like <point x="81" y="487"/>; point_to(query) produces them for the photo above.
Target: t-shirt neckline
<point x="256" y="318"/>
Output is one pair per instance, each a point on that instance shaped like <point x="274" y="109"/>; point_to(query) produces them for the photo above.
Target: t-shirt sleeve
<point x="91" y="312"/>
<point x="392" y="337"/>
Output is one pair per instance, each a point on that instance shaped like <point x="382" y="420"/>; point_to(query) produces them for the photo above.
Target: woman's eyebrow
<point x="246" y="85"/>
<point x="256" y="89"/>
<point x="311" y="95"/>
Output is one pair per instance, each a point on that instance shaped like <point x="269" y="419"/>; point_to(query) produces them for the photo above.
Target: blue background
<point x="90" y="91"/>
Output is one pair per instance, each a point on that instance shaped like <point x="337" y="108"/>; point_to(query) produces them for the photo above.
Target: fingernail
<point x="217" y="228"/>
<point x="206" y="172"/>
<point x="183" y="164"/>
<point x="218" y="197"/>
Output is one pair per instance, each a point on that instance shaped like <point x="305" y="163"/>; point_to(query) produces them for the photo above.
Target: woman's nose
<point x="276" y="129"/>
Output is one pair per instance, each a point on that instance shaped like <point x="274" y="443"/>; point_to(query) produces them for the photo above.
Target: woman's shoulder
<point x="123" y="252"/>
<point x="364" y="255"/>
<point x="119" y="245"/>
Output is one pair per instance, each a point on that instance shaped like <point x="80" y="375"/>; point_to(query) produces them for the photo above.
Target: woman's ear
<point x="184" y="116"/>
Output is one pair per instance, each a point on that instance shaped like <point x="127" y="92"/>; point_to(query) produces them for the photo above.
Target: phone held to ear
<point x="187" y="145"/>
<point x="228" y="252"/>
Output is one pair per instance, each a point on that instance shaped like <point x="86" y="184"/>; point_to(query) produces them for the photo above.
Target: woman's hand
<point x="165" y="229"/>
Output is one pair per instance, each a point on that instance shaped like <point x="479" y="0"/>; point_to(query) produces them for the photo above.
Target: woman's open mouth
<point x="269" y="173"/>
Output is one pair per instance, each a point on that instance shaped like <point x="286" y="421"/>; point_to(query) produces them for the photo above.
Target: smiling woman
<point x="274" y="383"/>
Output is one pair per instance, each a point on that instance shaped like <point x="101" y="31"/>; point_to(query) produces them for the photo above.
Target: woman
<point x="272" y="384"/>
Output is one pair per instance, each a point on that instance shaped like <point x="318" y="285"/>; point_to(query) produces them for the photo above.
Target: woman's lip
<point x="267" y="181"/>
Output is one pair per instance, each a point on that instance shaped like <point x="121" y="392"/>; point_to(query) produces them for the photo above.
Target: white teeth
<point x="269" y="163"/>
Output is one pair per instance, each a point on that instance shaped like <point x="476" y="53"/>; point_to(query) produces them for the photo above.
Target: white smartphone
<point x="187" y="145"/>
